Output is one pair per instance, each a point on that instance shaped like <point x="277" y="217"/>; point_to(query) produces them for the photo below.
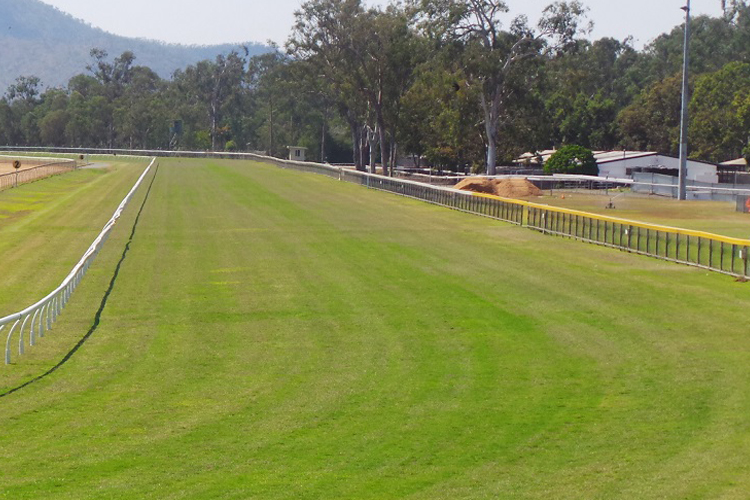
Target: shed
<point x="734" y="172"/>
<point x="297" y="153"/>
<point x="623" y="164"/>
<point x="617" y="164"/>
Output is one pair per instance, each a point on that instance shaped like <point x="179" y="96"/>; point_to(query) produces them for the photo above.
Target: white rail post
<point x="7" y="342"/>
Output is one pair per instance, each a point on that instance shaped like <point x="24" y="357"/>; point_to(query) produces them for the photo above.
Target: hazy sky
<point x="231" y="21"/>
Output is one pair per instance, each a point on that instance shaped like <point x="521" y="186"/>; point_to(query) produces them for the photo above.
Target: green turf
<point x="45" y="227"/>
<point x="281" y="335"/>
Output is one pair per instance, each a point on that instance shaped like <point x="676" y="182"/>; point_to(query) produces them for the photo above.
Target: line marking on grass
<point x="102" y="304"/>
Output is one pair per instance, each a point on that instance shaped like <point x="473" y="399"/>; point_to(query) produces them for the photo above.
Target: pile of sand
<point x="516" y="188"/>
<point x="476" y="184"/>
<point x="507" y="188"/>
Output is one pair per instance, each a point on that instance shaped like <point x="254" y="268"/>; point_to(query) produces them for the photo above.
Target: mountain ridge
<point x="41" y="40"/>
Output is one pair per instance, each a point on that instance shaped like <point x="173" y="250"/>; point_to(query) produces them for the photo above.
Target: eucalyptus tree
<point x="652" y="121"/>
<point x="53" y="117"/>
<point x="6" y="123"/>
<point x="314" y="107"/>
<point x="23" y="98"/>
<point x="718" y="110"/>
<point x="113" y="77"/>
<point x="367" y="56"/>
<point x="493" y="58"/>
<point x="211" y="87"/>
<point x="585" y="88"/>
<point x="396" y="51"/>
<point x="265" y="78"/>
<point x="140" y="112"/>
<point x="441" y="121"/>
<point x="332" y="35"/>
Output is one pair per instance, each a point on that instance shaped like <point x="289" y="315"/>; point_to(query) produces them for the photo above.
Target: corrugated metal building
<point x="623" y="164"/>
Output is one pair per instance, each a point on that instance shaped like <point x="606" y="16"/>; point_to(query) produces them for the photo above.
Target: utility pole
<point x="682" y="182"/>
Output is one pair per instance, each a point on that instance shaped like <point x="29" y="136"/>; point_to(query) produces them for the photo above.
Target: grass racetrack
<point x="272" y="335"/>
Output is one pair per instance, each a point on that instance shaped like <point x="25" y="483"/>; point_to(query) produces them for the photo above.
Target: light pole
<point x="682" y="182"/>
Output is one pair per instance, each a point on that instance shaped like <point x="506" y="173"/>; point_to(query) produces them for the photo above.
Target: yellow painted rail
<point x="696" y="248"/>
<point x="644" y="225"/>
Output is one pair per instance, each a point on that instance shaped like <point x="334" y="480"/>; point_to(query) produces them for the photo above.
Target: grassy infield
<point x="279" y="335"/>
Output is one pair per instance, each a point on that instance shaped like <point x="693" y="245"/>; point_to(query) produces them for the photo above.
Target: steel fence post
<point x="656" y="249"/>
<point x="20" y="335"/>
<point x="7" y="354"/>
<point x="32" y="333"/>
<point x="7" y="342"/>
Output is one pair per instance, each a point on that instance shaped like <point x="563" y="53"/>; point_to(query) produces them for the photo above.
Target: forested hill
<point x="40" y="40"/>
<point x="388" y="81"/>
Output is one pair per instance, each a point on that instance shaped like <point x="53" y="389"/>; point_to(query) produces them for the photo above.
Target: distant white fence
<point x="667" y="185"/>
<point x="46" y="167"/>
<point x="39" y="317"/>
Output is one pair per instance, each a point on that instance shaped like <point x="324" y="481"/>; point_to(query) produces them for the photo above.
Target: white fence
<point x="39" y="317"/>
<point x="667" y="185"/>
<point x="47" y="168"/>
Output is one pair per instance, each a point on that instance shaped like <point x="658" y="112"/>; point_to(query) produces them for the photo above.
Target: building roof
<point x="739" y="162"/>
<point x="609" y="156"/>
<point x="599" y="156"/>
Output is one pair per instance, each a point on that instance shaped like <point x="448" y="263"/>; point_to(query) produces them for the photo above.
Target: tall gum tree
<point x="472" y="30"/>
<point x="368" y="57"/>
<point x="329" y="34"/>
<point x="213" y="85"/>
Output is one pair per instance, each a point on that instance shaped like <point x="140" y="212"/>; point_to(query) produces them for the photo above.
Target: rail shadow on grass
<point x="102" y="304"/>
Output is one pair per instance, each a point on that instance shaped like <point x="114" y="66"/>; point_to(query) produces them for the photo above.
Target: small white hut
<point x="297" y="153"/>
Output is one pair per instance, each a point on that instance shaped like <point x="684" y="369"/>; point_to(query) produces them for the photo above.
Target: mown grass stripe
<point x="102" y="304"/>
<point x="275" y="335"/>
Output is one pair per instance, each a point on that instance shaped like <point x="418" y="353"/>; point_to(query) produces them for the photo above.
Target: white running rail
<point x="37" y="318"/>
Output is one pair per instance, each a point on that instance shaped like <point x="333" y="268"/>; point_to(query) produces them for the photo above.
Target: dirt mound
<point x="507" y="188"/>
<point x="476" y="184"/>
<point x="516" y="188"/>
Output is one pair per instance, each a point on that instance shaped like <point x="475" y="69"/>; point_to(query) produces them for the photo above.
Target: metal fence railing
<point x="30" y="174"/>
<point x="34" y="320"/>
<point x="666" y="185"/>
<point x="696" y="248"/>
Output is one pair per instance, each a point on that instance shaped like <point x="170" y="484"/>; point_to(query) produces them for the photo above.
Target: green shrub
<point x="572" y="159"/>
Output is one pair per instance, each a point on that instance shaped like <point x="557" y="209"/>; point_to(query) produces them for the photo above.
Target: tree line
<point x="453" y="83"/>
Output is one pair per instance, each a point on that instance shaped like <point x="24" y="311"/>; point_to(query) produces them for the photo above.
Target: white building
<point x="623" y="164"/>
<point x="297" y="153"/>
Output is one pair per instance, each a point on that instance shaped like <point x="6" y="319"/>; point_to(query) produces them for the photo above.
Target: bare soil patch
<point x="6" y="163"/>
<point x="507" y="188"/>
